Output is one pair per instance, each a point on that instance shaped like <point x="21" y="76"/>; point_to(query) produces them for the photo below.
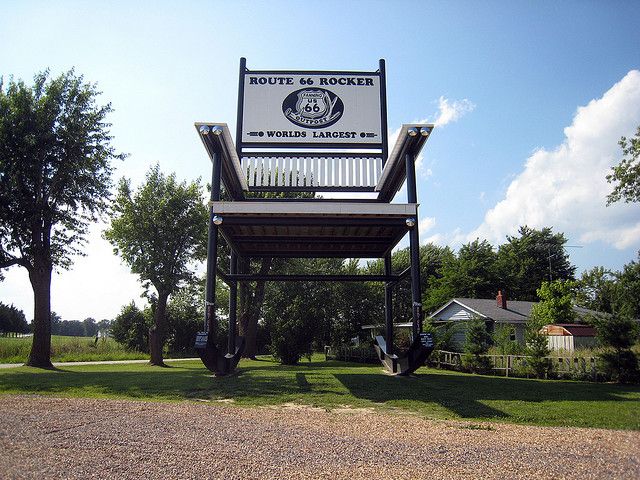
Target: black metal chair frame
<point x="312" y="227"/>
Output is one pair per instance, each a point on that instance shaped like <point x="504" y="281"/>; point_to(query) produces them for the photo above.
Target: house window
<point x="512" y="335"/>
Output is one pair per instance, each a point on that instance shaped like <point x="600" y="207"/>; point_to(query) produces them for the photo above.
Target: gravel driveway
<point x="51" y="438"/>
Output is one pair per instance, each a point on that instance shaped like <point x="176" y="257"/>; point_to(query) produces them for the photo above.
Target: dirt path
<point x="43" y="437"/>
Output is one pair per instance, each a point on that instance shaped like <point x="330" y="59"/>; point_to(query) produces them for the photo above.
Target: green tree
<point x="159" y="231"/>
<point x="477" y="343"/>
<point x="597" y="290"/>
<point x="90" y="327"/>
<point x="185" y="314"/>
<point x="627" y="300"/>
<point x="432" y="258"/>
<point x="502" y="340"/>
<point x="524" y="262"/>
<point x="299" y="313"/>
<point x="472" y="273"/>
<point x="556" y="302"/>
<point x="626" y="175"/>
<point x="12" y="319"/>
<point x="55" y="179"/>
<point x="618" y="333"/>
<point x="131" y="328"/>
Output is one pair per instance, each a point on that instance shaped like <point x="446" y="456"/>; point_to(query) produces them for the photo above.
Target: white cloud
<point x="448" y="112"/>
<point x="453" y="239"/>
<point x="425" y="224"/>
<point x="566" y="188"/>
<point x="452" y="111"/>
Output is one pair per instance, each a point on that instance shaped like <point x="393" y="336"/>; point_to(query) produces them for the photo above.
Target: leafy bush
<point x="502" y="341"/>
<point x="443" y="335"/>
<point x="131" y="328"/>
<point x="478" y="341"/>
<point x="538" y="350"/>
<point x="618" y="333"/>
<point x="291" y="339"/>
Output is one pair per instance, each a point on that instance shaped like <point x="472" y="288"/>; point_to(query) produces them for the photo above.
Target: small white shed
<point x="569" y="336"/>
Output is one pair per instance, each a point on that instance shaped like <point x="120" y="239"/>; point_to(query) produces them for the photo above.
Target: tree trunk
<point x="157" y="331"/>
<point x="250" y="308"/>
<point x="40" y="277"/>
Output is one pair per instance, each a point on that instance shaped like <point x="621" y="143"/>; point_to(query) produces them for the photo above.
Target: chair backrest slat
<point x="334" y="172"/>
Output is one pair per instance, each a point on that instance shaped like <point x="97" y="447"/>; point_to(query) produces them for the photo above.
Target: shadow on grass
<point x="464" y="394"/>
<point x="431" y="392"/>
<point x="252" y="385"/>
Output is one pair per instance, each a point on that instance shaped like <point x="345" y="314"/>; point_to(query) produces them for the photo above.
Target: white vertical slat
<point x="252" y="172"/>
<point x="378" y="169"/>
<point x="259" y="171"/>
<point x="372" y="173"/>
<point x="350" y="165"/>
<point x="304" y="168"/>
<point x="323" y="166"/>
<point x="316" y="173"/>
<point x="343" y="173"/>
<point x="280" y="181"/>
<point x="287" y="171"/>
<point x="334" y="172"/>
<point x="357" y="184"/>
<point x="244" y="163"/>
<point x="365" y="172"/>
<point x="295" y="168"/>
<point x="273" y="167"/>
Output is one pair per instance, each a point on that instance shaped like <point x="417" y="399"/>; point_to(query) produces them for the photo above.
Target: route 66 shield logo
<point x="313" y="108"/>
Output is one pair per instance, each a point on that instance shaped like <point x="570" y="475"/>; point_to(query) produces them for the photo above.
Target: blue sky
<point x="530" y="99"/>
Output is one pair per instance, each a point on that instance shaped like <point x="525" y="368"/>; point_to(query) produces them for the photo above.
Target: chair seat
<point x="313" y="229"/>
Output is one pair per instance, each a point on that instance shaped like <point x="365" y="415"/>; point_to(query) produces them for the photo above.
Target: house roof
<point x="516" y="311"/>
<point x="576" y="330"/>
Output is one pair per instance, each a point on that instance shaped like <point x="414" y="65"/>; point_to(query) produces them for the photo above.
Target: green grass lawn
<point x="67" y="349"/>
<point x="329" y="384"/>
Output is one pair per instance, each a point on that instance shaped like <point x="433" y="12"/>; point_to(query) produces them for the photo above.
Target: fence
<point x="348" y="353"/>
<point x="569" y="365"/>
<point x="15" y="334"/>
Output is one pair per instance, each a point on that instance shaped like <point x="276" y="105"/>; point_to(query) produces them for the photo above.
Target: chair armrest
<point x="410" y="141"/>
<point x="217" y="139"/>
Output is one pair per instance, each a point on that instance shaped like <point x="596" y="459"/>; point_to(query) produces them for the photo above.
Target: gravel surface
<point x="51" y="438"/>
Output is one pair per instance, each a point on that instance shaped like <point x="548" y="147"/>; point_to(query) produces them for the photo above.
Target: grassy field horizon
<point x="431" y="393"/>
<point x="68" y="349"/>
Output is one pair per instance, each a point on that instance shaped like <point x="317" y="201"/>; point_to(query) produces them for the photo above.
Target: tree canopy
<point x="556" y="303"/>
<point x="526" y="261"/>
<point x="12" y="319"/>
<point x="160" y="231"/>
<point x="55" y="179"/>
<point x="626" y="175"/>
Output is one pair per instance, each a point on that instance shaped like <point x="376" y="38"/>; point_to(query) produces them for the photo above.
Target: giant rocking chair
<point x="314" y="227"/>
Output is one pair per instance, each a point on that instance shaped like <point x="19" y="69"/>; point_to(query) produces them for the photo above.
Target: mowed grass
<point x="68" y="349"/>
<point x="329" y="384"/>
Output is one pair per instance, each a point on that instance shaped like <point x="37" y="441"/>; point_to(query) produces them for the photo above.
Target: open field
<point x="68" y="349"/>
<point x="433" y="394"/>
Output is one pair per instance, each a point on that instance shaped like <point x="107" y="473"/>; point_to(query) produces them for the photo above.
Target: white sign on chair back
<point x="312" y="108"/>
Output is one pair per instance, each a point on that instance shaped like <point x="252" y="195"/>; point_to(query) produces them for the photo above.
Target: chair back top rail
<point x="314" y="171"/>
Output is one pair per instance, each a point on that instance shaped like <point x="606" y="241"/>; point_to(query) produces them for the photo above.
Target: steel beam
<point x="212" y="251"/>
<point x="233" y="304"/>
<point x="388" y="306"/>
<point x="244" y="278"/>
